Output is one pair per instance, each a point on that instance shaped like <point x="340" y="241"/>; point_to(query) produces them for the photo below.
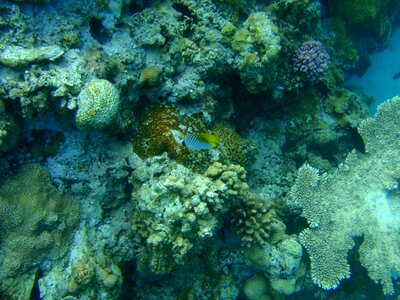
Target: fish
<point x="396" y="76"/>
<point x="35" y="291"/>
<point x="200" y="141"/>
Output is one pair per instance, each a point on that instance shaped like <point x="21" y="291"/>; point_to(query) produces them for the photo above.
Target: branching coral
<point x="359" y="199"/>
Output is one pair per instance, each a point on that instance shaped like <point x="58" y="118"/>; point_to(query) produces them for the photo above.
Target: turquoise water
<point x="210" y="149"/>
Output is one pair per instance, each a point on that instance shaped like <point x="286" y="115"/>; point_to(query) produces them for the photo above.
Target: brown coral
<point x="255" y="220"/>
<point x="234" y="148"/>
<point x="155" y="136"/>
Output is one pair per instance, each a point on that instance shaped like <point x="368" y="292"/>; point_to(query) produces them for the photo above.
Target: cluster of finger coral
<point x="358" y="199"/>
<point x="178" y="211"/>
<point x="312" y="60"/>
<point x="255" y="220"/>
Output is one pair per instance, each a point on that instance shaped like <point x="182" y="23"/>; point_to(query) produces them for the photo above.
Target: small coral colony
<point x="203" y="149"/>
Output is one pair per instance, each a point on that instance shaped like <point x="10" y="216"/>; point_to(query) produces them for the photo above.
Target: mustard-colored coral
<point x="150" y="76"/>
<point x="234" y="149"/>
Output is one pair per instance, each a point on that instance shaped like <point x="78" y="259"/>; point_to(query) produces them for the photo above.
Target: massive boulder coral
<point x="360" y="199"/>
<point x="257" y="45"/>
<point x="98" y="105"/>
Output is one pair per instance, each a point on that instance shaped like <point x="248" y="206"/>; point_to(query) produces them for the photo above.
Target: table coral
<point x="359" y="199"/>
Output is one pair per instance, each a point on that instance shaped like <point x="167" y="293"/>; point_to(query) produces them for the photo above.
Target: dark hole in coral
<point x="137" y="6"/>
<point x="184" y="10"/>
<point x="128" y="284"/>
<point x="45" y="142"/>
<point x="98" y="31"/>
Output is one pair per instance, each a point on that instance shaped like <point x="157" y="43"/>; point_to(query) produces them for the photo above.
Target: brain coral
<point x="359" y="199"/>
<point x="98" y="104"/>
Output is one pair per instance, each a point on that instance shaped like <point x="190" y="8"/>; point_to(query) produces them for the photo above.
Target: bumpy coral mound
<point x="234" y="149"/>
<point x="255" y="220"/>
<point x="36" y="221"/>
<point x="359" y="199"/>
<point x="98" y="104"/>
<point x="179" y="211"/>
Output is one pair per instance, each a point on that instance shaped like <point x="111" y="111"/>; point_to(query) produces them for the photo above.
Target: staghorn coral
<point x="359" y="199"/>
<point x="37" y="222"/>
<point x="178" y="211"/>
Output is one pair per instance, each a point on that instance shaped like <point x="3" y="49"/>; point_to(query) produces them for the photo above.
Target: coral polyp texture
<point x="98" y="104"/>
<point x="311" y="60"/>
<point x="255" y="220"/>
<point x="155" y="135"/>
<point x="37" y="222"/>
<point x="359" y="199"/>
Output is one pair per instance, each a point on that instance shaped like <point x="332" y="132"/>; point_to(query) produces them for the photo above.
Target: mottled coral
<point x="98" y="105"/>
<point x="154" y="135"/>
<point x="15" y="56"/>
<point x="358" y="199"/>
<point x="312" y="60"/>
<point x="36" y="220"/>
<point x="257" y="45"/>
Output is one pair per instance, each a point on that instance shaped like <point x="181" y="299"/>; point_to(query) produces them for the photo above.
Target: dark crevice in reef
<point x="98" y="31"/>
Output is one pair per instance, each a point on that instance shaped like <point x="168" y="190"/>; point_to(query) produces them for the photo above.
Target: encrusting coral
<point x="359" y="199"/>
<point x="37" y="222"/>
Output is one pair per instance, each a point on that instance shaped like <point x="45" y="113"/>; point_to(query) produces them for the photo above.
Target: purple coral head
<point x="312" y="60"/>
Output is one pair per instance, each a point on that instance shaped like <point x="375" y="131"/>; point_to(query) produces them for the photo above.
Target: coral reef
<point x="15" y="57"/>
<point x="357" y="200"/>
<point x="312" y="60"/>
<point x="255" y="220"/>
<point x="178" y="211"/>
<point x="37" y="222"/>
<point x="98" y="105"/>
<point x="257" y="45"/>
<point x="234" y="149"/>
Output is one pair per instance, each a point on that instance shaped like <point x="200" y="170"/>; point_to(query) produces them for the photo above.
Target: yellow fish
<point x="200" y="141"/>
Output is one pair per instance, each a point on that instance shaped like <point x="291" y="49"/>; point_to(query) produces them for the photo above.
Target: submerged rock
<point x="16" y="56"/>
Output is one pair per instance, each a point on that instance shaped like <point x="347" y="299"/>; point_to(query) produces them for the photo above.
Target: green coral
<point x="36" y="221"/>
<point x="358" y="199"/>
<point x="257" y="45"/>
